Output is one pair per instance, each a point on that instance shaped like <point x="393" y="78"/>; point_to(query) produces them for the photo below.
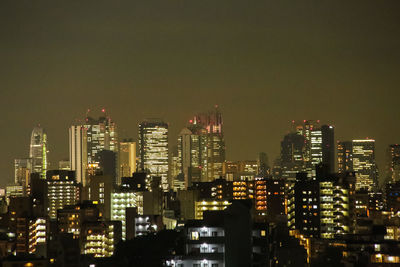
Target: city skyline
<point x="284" y="62"/>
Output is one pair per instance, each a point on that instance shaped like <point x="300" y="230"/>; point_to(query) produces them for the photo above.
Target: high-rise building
<point x="393" y="163"/>
<point x="345" y="156"/>
<point x="318" y="144"/>
<point x="101" y="135"/>
<point x="78" y="156"/>
<point x="38" y="151"/>
<point x="210" y="125"/>
<point x="62" y="190"/>
<point x="153" y="149"/>
<point x="292" y="155"/>
<point x="22" y="172"/>
<point x="127" y="158"/>
<point x="359" y="156"/>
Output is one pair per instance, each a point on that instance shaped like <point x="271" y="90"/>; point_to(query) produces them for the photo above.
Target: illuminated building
<point x="14" y="190"/>
<point x="217" y="189"/>
<point x="359" y="156"/>
<point x="324" y="207"/>
<point x="240" y="170"/>
<point x="292" y="155"/>
<point x="153" y="149"/>
<point x="38" y="235"/>
<point x="101" y="135"/>
<point x="100" y="238"/>
<point x="137" y="225"/>
<point x="260" y="196"/>
<point x="303" y="206"/>
<point x="243" y="189"/>
<point x="345" y="156"/>
<point x="78" y="156"/>
<point x="393" y="161"/>
<point x="392" y="195"/>
<point x="22" y="172"/>
<point x="101" y="187"/>
<point x="38" y="151"/>
<point x="276" y="197"/>
<point x="210" y="127"/>
<point x="121" y="200"/>
<point x="71" y="218"/>
<point x="210" y="205"/>
<point x="62" y="190"/>
<point x="127" y="158"/>
<point x="192" y="155"/>
<point x="224" y="238"/>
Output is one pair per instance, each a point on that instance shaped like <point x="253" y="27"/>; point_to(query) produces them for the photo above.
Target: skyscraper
<point x="192" y="155"/>
<point x="153" y="149"/>
<point x="393" y="163"/>
<point x="86" y="140"/>
<point x="78" y="155"/>
<point x="22" y="172"/>
<point x="292" y="155"/>
<point x="101" y="135"/>
<point x="359" y="156"/>
<point x="127" y="158"/>
<point x="38" y="151"/>
<point x="212" y="123"/>
<point x="364" y="164"/>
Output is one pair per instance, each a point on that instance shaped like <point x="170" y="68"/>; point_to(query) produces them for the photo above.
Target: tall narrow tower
<point x="38" y="151"/>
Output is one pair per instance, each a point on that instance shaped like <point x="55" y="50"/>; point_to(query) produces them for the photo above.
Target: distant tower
<point x="153" y="149"/>
<point x="359" y="156"/>
<point x="319" y="146"/>
<point x="393" y="163"/>
<point x="38" y="151"/>
<point x="215" y="144"/>
<point x="101" y="135"/>
<point x="78" y="156"/>
<point x="127" y="157"/>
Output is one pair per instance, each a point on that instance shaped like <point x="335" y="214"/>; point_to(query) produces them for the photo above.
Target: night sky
<point x="264" y="62"/>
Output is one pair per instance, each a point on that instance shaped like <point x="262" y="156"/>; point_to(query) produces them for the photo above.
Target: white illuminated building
<point x="122" y="200"/>
<point x="38" y="151"/>
<point x="363" y="153"/>
<point x="153" y="149"/>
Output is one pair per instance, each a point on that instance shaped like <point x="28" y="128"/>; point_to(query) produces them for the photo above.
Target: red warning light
<point x="191" y="121"/>
<point x="103" y="110"/>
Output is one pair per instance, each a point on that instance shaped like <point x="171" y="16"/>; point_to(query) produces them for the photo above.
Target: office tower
<point x="240" y="170"/>
<point x="345" y="156"/>
<point x="153" y="199"/>
<point x="62" y="190"/>
<point x="364" y="164"/>
<point x="212" y="123"/>
<point x="192" y="155"/>
<point x="22" y="172"/>
<point x="127" y="158"/>
<point x="153" y="149"/>
<point x="393" y="163"/>
<point x="359" y="156"/>
<point x="292" y="155"/>
<point x="78" y="154"/>
<point x="101" y="135"/>
<point x="318" y="144"/>
<point x="38" y="151"/>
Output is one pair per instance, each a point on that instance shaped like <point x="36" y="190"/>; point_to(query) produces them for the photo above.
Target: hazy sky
<point x="264" y="62"/>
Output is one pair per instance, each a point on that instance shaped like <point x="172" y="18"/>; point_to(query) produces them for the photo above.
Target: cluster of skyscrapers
<point x="320" y="191"/>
